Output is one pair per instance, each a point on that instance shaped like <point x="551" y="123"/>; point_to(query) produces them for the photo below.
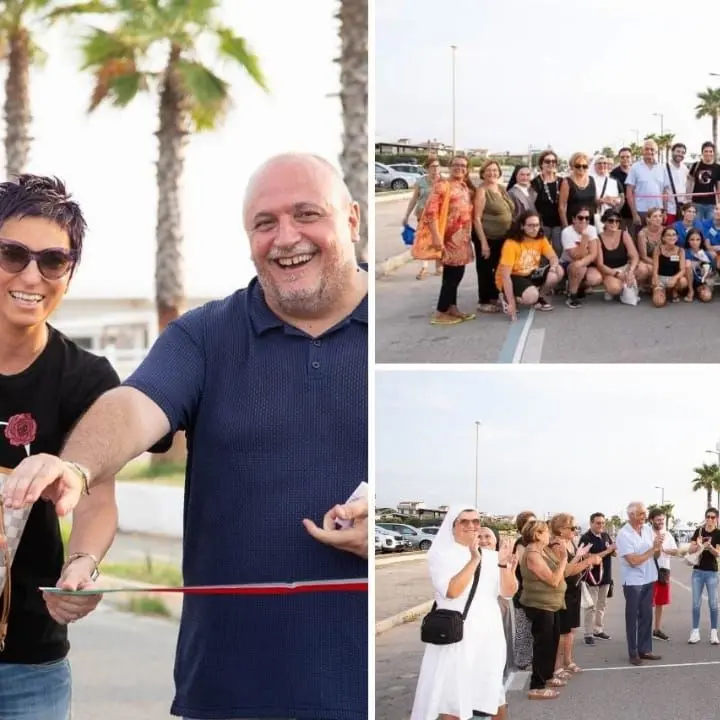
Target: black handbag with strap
<point x="445" y="627"/>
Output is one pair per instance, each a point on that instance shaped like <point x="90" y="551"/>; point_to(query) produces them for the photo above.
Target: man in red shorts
<point x="661" y="593"/>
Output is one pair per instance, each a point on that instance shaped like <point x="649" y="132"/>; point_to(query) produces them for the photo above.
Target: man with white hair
<point x="271" y="387"/>
<point x="637" y="548"/>
<point x="646" y="184"/>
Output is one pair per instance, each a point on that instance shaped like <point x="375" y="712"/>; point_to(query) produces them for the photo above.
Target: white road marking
<point x="533" y="349"/>
<point x="522" y="340"/>
<point x="654" y="666"/>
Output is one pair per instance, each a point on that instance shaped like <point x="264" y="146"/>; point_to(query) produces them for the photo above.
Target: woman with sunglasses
<point x="563" y="533"/>
<point x="46" y="383"/>
<point x="577" y="190"/>
<point x="705" y="574"/>
<point x="547" y="194"/>
<point x="460" y="680"/>
<point x="617" y="258"/>
<point x="580" y="250"/>
<point x="648" y="237"/>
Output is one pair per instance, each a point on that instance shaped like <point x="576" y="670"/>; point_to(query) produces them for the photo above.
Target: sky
<point x="108" y="158"/>
<point x="535" y="73"/>
<point x="576" y="439"/>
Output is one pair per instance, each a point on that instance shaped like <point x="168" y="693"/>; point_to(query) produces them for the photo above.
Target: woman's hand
<point x="485" y="250"/>
<point x="475" y="548"/>
<point x="582" y="551"/>
<point x="505" y="553"/>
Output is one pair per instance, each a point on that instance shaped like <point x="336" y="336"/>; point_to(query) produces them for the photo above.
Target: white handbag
<point x="586" y="599"/>
<point x="630" y="295"/>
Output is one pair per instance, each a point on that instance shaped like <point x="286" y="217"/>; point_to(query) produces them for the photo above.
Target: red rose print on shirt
<point x="21" y="429"/>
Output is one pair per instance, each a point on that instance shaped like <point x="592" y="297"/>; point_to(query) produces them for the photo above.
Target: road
<point x="682" y="686"/>
<point x="600" y="332"/>
<point x="122" y="666"/>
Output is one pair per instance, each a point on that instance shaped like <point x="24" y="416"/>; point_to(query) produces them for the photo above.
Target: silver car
<point x="419" y="538"/>
<point x="386" y="177"/>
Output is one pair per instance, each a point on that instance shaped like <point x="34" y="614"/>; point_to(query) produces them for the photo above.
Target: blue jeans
<point x="35" y="692"/>
<point x="701" y="579"/>
<point x="638" y="618"/>
<point x="704" y="212"/>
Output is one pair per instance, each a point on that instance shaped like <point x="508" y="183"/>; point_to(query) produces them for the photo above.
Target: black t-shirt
<point x="546" y="202"/>
<point x="707" y="560"/>
<point x="55" y="391"/>
<point x="621" y="176"/>
<point x="598" y="545"/>
<point x="705" y="180"/>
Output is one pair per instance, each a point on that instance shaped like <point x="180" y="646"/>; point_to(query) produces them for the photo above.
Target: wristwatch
<point x="84" y="474"/>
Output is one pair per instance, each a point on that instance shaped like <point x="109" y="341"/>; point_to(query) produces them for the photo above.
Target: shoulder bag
<point x="12" y="524"/>
<point x="445" y="627"/>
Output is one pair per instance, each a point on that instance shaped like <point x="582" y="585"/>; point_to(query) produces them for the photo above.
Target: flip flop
<point x="454" y="321"/>
<point x="543" y="694"/>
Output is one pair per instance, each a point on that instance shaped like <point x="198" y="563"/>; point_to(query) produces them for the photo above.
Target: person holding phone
<point x="705" y="574"/>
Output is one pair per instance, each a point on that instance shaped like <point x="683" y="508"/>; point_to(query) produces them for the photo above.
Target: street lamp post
<point x="477" y="459"/>
<point x="662" y="122"/>
<point x="453" y="48"/>
<point x="662" y="494"/>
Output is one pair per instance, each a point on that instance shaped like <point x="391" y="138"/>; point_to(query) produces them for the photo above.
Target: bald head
<point x="306" y="166"/>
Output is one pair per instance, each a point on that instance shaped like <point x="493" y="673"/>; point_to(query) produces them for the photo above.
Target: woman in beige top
<point x="543" y="594"/>
<point x="649" y="238"/>
<point x="493" y="215"/>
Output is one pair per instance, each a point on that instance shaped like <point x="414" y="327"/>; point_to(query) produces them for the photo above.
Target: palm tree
<point x="191" y="98"/>
<point x="353" y="16"/>
<point x="19" y="51"/>
<point x="707" y="478"/>
<point x="666" y="141"/>
<point x="667" y="510"/>
<point x="635" y="150"/>
<point x="709" y="106"/>
<point x="608" y="152"/>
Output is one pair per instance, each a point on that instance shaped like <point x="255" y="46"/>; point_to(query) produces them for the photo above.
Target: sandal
<point x="422" y="274"/>
<point x="488" y="308"/>
<point x="543" y="304"/>
<point x="446" y="321"/>
<point x="573" y="668"/>
<point x="543" y="694"/>
<point x="689" y="298"/>
<point x="556" y="682"/>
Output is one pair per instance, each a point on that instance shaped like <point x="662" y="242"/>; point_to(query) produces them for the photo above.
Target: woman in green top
<point x="421" y="192"/>
<point x="543" y="594"/>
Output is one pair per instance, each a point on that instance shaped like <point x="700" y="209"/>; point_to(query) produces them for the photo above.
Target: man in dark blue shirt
<point x="270" y="385"/>
<point x="599" y="578"/>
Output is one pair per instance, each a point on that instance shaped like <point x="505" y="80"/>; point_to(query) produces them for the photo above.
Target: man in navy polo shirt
<point x="270" y="385"/>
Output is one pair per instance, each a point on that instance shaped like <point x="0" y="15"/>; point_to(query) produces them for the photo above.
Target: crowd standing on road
<point x="643" y="227"/>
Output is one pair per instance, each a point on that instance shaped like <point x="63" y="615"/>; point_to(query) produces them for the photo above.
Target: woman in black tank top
<point x="577" y="190"/>
<point x="618" y="260"/>
<point x="668" y="269"/>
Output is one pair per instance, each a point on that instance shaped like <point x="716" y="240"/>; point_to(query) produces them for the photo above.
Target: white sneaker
<point x="695" y="636"/>
<point x="714" y="640"/>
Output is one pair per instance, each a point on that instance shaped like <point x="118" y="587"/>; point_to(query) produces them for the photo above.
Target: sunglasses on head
<point x="53" y="263"/>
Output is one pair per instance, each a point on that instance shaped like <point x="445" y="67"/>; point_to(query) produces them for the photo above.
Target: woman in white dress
<point x="457" y="680"/>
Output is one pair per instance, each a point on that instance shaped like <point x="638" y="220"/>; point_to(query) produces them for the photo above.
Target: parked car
<point x="393" y="542"/>
<point x="419" y="538"/>
<point x="418" y="170"/>
<point x="385" y="176"/>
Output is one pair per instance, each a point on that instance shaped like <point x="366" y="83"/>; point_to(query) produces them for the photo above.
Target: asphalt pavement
<point x="681" y="686"/>
<point x="600" y="332"/>
<point x="122" y="666"/>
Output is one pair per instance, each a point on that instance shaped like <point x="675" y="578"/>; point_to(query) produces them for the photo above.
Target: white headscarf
<point x="447" y="557"/>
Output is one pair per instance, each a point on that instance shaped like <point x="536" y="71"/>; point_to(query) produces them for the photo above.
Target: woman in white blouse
<point x="607" y="190"/>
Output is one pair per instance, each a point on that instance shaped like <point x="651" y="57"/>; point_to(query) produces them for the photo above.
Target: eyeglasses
<point x="711" y="517"/>
<point x="53" y="263"/>
<point x="581" y="167"/>
<point x="465" y="522"/>
<point x="547" y="161"/>
<point x="612" y="220"/>
<point x="582" y="217"/>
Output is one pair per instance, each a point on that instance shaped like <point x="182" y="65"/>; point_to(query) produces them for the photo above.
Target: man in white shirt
<point x="676" y="177"/>
<point x="579" y="243"/>
<point x="646" y="186"/>
<point x="637" y="546"/>
<point x="661" y="592"/>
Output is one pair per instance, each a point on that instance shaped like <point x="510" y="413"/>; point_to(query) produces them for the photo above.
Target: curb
<point x="392" y="263"/>
<point x="381" y="561"/>
<point x="403" y="617"/>
<point x="392" y="195"/>
<point x="173" y="602"/>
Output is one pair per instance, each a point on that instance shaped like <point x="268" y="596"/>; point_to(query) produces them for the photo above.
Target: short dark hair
<point x="624" y="149"/>
<point x="655" y="512"/>
<point x="712" y="510"/>
<point x="522" y="519"/>
<point x="678" y="145"/>
<point x="580" y="210"/>
<point x="595" y="516"/>
<point x="707" y="144"/>
<point x="43" y="197"/>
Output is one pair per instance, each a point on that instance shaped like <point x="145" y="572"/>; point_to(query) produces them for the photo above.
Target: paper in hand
<point x="360" y="492"/>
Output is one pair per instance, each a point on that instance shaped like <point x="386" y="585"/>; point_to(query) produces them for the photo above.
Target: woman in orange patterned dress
<point x="444" y="233"/>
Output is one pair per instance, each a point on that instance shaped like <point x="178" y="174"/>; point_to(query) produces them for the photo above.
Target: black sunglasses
<point x="711" y="517"/>
<point x="53" y="263"/>
<point x="581" y="167"/>
<point x="582" y="217"/>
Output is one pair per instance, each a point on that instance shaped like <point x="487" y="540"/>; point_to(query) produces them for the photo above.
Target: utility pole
<point x="454" y="146"/>
<point x="477" y="460"/>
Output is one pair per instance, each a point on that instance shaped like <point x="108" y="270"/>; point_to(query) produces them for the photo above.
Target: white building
<point x="121" y="329"/>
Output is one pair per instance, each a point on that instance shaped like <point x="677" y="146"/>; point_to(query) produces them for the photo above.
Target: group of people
<point x="257" y="458"/>
<point x="559" y="582"/>
<point x="646" y="226"/>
